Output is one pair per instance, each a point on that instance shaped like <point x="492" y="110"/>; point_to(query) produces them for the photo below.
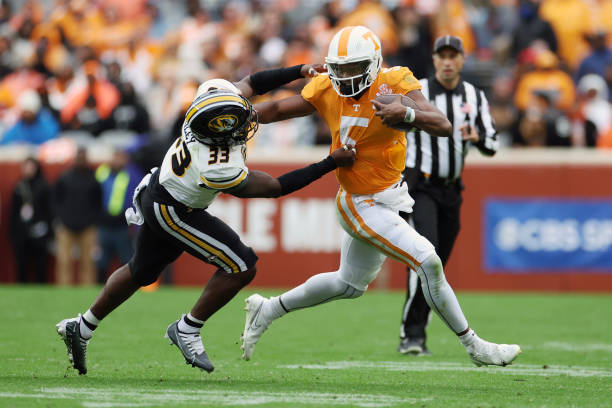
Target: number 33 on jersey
<point x="194" y="173"/>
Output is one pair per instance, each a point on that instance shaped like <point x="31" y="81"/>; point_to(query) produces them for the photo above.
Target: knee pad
<point x="329" y="286"/>
<point x="432" y="269"/>
<point x="348" y="290"/>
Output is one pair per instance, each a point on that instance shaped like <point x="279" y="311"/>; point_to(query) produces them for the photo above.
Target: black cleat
<point x="191" y="346"/>
<point x="413" y="346"/>
<point x="76" y="346"/>
<point x="425" y="351"/>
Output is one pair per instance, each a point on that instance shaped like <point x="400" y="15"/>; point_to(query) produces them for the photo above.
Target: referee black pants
<point x="435" y="216"/>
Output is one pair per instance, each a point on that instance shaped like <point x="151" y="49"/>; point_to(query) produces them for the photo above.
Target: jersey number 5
<point x="181" y="159"/>
<point x="347" y="123"/>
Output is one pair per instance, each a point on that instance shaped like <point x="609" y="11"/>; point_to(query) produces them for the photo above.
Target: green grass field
<point x="336" y="355"/>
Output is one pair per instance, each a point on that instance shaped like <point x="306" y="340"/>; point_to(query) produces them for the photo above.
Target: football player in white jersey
<point x="207" y="159"/>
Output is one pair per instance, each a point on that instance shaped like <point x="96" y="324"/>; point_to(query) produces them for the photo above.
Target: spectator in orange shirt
<point x="75" y="20"/>
<point x="109" y="31"/>
<point x="58" y="87"/>
<point x="571" y="20"/>
<point x="452" y="19"/>
<point x="372" y="14"/>
<point x="546" y="77"/>
<point x="126" y="9"/>
<point x="97" y="93"/>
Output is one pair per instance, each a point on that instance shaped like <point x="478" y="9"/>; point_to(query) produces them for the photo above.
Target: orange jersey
<point x="381" y="151"/>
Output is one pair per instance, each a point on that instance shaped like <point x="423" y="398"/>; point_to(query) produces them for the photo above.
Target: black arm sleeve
<point x="297" y="179"/>
<point x="265" y="81"/>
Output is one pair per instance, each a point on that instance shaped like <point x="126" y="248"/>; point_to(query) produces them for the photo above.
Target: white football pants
<point x="373" y="232"/>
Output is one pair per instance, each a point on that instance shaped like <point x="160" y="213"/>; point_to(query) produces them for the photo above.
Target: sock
<point x="468" y="338"/>
<point x="189" y="324"/>
<point x="274" y="308"/>
<point x="89" y="323"/>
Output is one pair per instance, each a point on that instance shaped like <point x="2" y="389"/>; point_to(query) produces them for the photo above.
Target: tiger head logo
<point x="223" y="123"/>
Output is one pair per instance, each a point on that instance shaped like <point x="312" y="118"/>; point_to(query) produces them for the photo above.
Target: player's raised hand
<point x="344" y="155"/>
<point x="312" y="70"/>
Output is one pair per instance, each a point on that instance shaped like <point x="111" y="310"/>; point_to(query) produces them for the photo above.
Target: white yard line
<point x="578" y="347"/>
<point x="101" y="398"/>
<point x="518" y="369"/>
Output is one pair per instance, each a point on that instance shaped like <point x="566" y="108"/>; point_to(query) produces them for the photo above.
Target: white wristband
<point x="410" y="115"/>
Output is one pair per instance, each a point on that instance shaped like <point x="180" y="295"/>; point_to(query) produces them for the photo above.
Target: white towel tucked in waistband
<point x="134" y="215"/>
<point x="396" y="197"/>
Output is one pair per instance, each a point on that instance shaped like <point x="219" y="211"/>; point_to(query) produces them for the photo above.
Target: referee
<point x="433" y="172"/>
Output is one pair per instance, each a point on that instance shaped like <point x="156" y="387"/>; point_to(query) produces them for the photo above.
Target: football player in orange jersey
<point x="371" y="191"/>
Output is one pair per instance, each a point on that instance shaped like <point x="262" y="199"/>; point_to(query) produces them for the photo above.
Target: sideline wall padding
<point x="297" y="236"/>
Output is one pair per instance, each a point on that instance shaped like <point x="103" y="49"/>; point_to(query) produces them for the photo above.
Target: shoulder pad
<point x="395" y="75"/>
<point x="318" y="84"/>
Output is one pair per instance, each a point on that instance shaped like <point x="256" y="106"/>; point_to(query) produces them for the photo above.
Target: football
<point x="406" y="100"/>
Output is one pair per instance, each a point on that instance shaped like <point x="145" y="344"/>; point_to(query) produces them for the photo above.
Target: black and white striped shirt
<point x="444" y="157"/>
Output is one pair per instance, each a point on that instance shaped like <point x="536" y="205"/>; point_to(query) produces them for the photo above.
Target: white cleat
<point x="191" y="346"/>
<point x="255" y="324"/>
<point x="486" y="353"/>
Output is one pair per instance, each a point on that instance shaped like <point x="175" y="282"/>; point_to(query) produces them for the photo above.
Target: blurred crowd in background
<point x="125" y="72"/>
<point x="102" y="65"/>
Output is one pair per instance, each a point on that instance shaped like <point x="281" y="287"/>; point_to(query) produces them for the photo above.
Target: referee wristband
<point x="410" y="115"/>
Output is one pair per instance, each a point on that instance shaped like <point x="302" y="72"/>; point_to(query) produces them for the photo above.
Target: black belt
<point x="438" y="181"/>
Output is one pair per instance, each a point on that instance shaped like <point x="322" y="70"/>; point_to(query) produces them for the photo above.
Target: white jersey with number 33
<point x="194" y="173"/>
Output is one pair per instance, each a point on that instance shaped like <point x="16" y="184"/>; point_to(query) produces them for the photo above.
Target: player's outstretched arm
<point x="427" y="117"/>
<point x="260" y="184"/>
<point x="264" y="81"/>
<point x="287" y="108"/>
